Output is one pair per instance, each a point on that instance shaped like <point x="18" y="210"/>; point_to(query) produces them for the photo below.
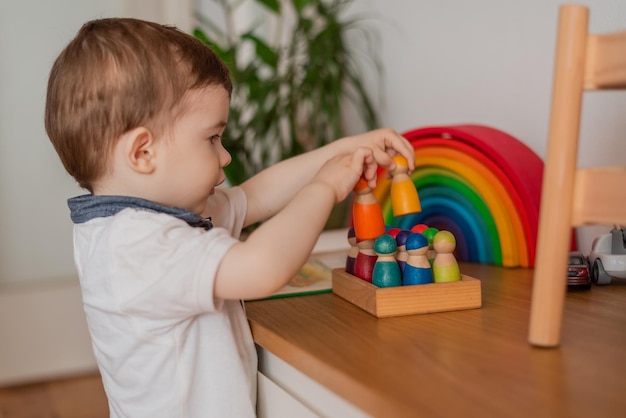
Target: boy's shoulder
<point x="135" y="235"/>
<point x="227" y="208"/>
<point x="135" y="227"/>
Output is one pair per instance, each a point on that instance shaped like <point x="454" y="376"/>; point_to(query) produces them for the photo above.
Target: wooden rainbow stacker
<point x="407" y="300"/>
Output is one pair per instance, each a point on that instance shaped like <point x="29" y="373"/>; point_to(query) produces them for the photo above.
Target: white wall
<point x="489" y="62"/>
<point x="445" y="62"/>
<point x="35" y="229"/>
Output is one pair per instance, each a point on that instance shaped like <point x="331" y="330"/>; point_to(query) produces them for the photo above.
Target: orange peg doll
<point x="404" y="198"/>
<point x="367" y="216"/>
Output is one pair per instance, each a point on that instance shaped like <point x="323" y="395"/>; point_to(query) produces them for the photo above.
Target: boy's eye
<point x="215" y="138"/>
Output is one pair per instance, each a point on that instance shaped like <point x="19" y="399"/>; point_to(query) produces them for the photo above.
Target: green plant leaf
<point x="225" y="54"/>
<point x="273" y="5"/>
<point x="199" y="33"/>
<point x="299" y="5"/>
<point x="263" y="50"/>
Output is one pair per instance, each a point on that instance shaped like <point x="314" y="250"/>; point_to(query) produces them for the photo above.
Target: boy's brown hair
<point x="118" y="74"/>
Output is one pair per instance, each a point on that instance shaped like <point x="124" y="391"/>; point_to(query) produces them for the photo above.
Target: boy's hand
<point x="342" y="172"/>
<point x="385" y="143"/>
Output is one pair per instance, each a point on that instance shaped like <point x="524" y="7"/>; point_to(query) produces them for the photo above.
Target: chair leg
<point x="549" y="288"/>
<point x="553" y="240"/>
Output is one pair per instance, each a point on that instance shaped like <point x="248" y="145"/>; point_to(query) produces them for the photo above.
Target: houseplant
<point x="293" y="73"/>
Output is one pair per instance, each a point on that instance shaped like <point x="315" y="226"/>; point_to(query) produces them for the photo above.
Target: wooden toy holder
<point x="407" y="300"/>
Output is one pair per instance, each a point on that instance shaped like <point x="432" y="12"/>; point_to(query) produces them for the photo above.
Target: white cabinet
<point x="285" y="392"/>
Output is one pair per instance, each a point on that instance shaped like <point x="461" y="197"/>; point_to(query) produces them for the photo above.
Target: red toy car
<point x="578" y="271"/>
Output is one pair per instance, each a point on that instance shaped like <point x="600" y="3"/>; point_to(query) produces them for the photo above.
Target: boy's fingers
<point x="384" y="158"/>
<point x="369" y="171"/>
<point x="401" y="145"/>
<point x="369" y="167"/>
<point x="362" y="157"/>
<point x="408" y="152"/>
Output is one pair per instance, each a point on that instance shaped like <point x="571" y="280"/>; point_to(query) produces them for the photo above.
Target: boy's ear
<point x="140" y="150"/>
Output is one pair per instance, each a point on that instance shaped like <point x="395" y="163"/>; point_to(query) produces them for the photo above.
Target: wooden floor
<point x="78" y="397"/>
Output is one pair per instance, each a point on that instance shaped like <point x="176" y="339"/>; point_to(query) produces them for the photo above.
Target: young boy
<point x="135" y="111"/>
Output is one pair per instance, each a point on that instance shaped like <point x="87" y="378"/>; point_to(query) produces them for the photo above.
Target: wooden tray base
<point x="407" y="300"/>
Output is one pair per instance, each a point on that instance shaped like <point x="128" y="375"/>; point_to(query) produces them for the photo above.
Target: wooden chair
<point x="573" y="196"/>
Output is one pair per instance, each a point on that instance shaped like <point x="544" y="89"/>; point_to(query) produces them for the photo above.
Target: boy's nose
<point x="225" y="157"/>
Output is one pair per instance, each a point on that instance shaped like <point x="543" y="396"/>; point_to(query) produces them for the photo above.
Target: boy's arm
<point x="269" y="191"/>
<point x="275" y="251"/>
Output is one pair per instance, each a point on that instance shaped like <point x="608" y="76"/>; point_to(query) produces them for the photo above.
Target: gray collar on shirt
<point x="86" y="207"/>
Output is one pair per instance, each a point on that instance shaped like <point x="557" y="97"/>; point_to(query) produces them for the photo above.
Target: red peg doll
<point x="352" y="253"/>
<point x="365" y="260"/>
<point x="404" y="198"/>
<point x="367" y="216"/>
<point x="419" y="228"/>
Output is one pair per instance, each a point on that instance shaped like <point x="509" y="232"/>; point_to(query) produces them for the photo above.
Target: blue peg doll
<point x="417" y="269"/>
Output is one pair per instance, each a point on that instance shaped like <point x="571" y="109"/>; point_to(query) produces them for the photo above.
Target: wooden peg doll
<point x="365" y="260"/>
<point x="401" y="255"/>
<point x="404" y="198"/>
<point x="386" y="270"/>
<point x="445" y="267"/>
<point x="417" y="269"/>
<point x="419" y="228"/>
<point x="352" y="252"/>
<point x="430" y="233"/>
<point x="393" y="231"/>
<point x="367" y="216"/>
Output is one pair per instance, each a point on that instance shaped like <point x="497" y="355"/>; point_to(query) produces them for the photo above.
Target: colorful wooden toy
<point x="386" y="270"/>
<point x="367" y="216"/>
<point x="365" y="260"/>
<point x="417" y="269"/>
<point x="352" y="252"/>
<point x="493" y="177"/>
<point x="445" y="267"/>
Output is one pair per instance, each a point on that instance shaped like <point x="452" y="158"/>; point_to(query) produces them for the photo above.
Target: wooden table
<point x="473" y="363"/>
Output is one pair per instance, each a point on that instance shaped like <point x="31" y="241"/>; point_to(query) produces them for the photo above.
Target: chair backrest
<point x="573" y="196"/>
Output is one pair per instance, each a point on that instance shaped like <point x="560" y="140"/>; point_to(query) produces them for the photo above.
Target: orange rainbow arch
<point x="479" y="183"/>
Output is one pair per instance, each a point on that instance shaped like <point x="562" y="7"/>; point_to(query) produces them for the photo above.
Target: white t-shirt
<point x="164" y="346"/>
